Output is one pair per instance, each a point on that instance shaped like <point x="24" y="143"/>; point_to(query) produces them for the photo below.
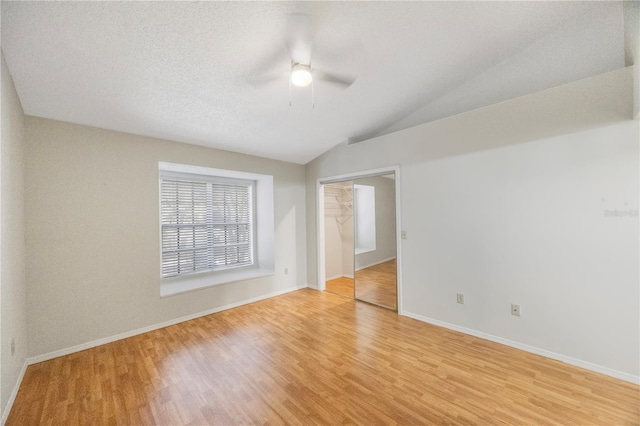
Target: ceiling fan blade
<point x="272" y="66"/>
<point x="301" y="30"/>
<point x="264" y="80"/>
<point x="340" y="80"/>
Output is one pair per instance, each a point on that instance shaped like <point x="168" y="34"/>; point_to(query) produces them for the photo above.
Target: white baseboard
<point x="338" y="276"/>
<point x="94" y="343"/>
<point x="368" y="265"/>
<point x="14" y="392"/>
<point x="532" y="349"/>
<point x="377" y="262"/>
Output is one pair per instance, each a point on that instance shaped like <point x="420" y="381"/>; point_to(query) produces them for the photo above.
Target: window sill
<point x="178" y="285"/>
<point x="363" y="251"/>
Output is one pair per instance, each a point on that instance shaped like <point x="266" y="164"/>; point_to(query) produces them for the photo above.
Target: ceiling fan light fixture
<point x="301" y="75"/>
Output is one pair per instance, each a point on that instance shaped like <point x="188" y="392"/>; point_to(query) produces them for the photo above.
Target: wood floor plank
<point x="312" y="357"/>
<point x="377" y="284"/>
<point x="341" y="285"/>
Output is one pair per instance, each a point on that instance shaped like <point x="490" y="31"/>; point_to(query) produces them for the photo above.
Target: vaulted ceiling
<point x="216" y="73"/>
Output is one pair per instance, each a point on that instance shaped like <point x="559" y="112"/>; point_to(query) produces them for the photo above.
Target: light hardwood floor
<point x="311" y="357"/>
<point x="377" y="284"/>
<point x="342" y="286"/>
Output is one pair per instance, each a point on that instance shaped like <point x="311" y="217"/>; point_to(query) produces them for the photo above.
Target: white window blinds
<point x="206" y="224"/>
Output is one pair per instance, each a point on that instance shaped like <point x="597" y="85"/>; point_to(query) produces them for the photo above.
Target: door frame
<point x="320" y="182"/>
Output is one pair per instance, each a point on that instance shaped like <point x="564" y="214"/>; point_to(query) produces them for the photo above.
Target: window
<point x="207" y="224"/>
<point x="364" y="202"/>
<point x="216" y="227"/>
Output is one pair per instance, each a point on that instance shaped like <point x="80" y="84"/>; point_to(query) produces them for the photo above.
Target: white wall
<point x="333" y="251"/>
<point x="348" y="243"/>
<point x="385" y="204"/>
<point x="507" y="205"/>
<point x="526" y="224"/>
<point x="12" y="245"/>
<point x="631" y="13"/>
<point x="92" y="232"/>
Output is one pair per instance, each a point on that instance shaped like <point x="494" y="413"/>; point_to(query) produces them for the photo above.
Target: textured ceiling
<point x="194" y="71"/>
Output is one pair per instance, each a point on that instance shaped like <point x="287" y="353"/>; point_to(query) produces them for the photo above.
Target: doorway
<point x="339" y="238"/>
<point x="358" y="250"/>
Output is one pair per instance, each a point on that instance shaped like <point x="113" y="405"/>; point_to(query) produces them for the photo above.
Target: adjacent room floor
<point x="375" y="284"/>
<point x="312" y="357"/>
<point x="341" y="285"/>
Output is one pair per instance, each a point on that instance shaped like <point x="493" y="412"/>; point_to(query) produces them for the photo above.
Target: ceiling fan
<point x="302" y="75"/>
<point x="300" y="33"/>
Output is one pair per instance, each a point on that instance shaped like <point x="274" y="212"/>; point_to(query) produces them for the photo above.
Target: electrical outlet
<point x="13" y="346"/>
<point x="286" y="271"/>
<point x="515" y="310"/>
<point x="460" y="298"/>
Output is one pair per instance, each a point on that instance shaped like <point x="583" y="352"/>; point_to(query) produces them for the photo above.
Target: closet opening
<point x="358" y="247"/>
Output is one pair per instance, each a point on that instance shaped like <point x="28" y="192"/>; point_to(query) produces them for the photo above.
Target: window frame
<point x="211" y="179"/>
<point x="263" y="233"/>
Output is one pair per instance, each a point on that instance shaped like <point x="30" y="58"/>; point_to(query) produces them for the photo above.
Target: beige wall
<point x="506" y="204"/>
<point x="93" y="240"/>
<point x="12" y="246"/>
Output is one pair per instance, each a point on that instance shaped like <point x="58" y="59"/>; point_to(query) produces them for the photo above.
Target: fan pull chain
<point x="289" y="91"/>
<point x="313" y="100"/>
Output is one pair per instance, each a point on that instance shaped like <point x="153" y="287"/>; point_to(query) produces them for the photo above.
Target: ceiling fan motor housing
<point x="301" y="75"/>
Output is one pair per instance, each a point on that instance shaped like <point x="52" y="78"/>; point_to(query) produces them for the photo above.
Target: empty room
<point x="225" y="213"/>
